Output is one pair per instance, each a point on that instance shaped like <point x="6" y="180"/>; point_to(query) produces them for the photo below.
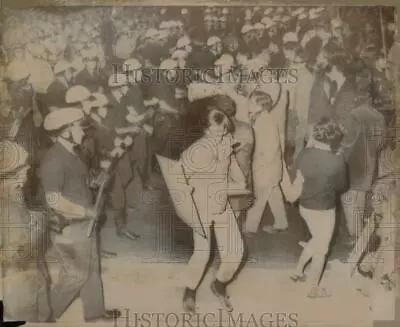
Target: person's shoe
<point x="219" y="290"/>
<point x="109" y="315"/>
<point x="189" y="300"/>
<point x="273" y="230"/>
<point x="107" y="254"/>
<point x="124" y="232"/>
<point x="318" y="292"/>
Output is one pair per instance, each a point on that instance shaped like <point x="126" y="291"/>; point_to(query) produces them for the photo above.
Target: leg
<point x="321" y="224"/>
<point x="353" y="203"/>
<point x="92" y="291"/>
<point x="195" y="268"/>
<point x="231" y="249"/>
<point x="118" y="204"/>
<point x="230" y="245"/>
<point x="73" y="275"/>
<point x="255" y="213"/>
<point x="278" y="209"/>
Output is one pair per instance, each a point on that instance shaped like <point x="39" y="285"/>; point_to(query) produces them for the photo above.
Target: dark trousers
<point x="79" y="277"/>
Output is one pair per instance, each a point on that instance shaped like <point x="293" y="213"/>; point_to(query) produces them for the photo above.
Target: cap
<point x="117" y="80"/>
<point x="302" y="16"/>
<point x="258" y="26"/>
<point x="213" y="40"/>
<point x="164" y="25"/>
<point x="62" y="117"/>
<point x="179" y="54"/>
<point x="298" y="11"/>
<point x="225" y="59"/>
<point x="77" y="93"/>
<point x="131" y="64"/>
<point x="246" y="29"/>
<point x="168" y="64"/>
<point x="17" y="72"/>
<point x="267" y="22"/>
<point x="150" y="33"/>
<point x="290" y="37"/>
<point x="183" y="42"/>
<point x="13" y="157"/>
<point x="336" y="23"/>
<point x="268" y="11"/>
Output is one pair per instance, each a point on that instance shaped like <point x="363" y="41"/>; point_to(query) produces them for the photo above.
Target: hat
<point x="100" y="100"/>
<point x="268" y="11"/>
<point x="268" y="22"/>
<point x="90" y="54"/>
<point x="62" y="117"/>
<point x="258" y="26"/>
<point x="17" y="72"/>
<point x="246" y="28"/>
<point x="298" y="11"/>
<point x="77" y="93"/>
<point x="286" y="19"/>
<point x="183" y="42"/>
<point x="117" y="80"/>
<point x="152" y="102"/>
<point x="179" y="54"/>
<point x="184" y="11"/>
<point x="314" y="13"/>
<point x="225" y="59"/>
<point x="335" y="23"/>
<point x="150" y="33"/>
<point x="213" y="40"/>
<point x="207" y="17"/>
<point x="277" y="18"/>
<point x="302" y="16"/>
<point x="168" y="64"/>
<point x="290" y="37"/>
<point x="164" y="24"/>
<point x="223" y="103"/>
<point x="131" y="64"/>
<point x="225" y="11"/>
<point x="13" y="157"/>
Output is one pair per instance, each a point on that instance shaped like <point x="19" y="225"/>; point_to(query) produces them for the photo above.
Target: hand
<point x="299" y="176"/>
<point x="102" y="178"/>
<point x="91" y="213"/>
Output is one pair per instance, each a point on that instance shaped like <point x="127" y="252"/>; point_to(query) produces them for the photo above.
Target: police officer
<point x="64" y="180"/>
<point x="117" y="118"/>
<point x="26" y="277"/>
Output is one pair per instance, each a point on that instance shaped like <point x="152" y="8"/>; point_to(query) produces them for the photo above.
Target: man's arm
<point x="52" y="178"/>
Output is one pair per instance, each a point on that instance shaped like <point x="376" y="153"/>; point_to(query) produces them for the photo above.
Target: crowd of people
<point x="258" y="105"/>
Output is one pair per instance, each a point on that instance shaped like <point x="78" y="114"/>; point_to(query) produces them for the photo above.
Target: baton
<point x="99" y="197"/>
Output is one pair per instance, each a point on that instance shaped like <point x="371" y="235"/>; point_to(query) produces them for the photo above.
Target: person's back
<point x="324" y="176"/>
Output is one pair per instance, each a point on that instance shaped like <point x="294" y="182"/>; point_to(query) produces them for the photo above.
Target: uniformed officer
<point x="55" y="95"/>
<point x="117" y="118"/>
<point x="22" y="249"/>
<point x="207" y="164"/>
<point x="89" y="77"/>
<point x="64" y="178"/>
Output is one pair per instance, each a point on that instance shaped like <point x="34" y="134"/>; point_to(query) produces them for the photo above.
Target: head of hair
<point x="329" y="132"/>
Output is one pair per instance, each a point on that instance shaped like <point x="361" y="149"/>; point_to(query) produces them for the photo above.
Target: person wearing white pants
<point x="207" y="164"/>
<point x="268" y="166"/>
<point x="323" y="171"/>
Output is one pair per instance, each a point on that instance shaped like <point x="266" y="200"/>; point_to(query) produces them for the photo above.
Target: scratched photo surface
<point x="188" y="166"/>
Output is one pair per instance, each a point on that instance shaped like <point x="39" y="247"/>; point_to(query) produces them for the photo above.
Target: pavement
<point x="146" y="277"/>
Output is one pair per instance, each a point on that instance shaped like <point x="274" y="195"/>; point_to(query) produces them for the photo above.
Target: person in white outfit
<point x="209" y="164"/>
<point x="268" y="166"/>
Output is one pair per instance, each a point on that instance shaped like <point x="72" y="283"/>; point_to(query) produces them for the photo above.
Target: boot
<point x="124" y="232"/>
<point x="219" y="290"/>
<point x="189" y="300"/>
